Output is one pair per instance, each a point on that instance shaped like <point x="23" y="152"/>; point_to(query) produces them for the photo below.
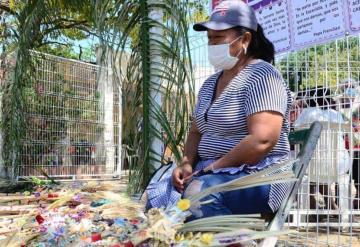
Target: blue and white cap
<point x="228" y="14"/>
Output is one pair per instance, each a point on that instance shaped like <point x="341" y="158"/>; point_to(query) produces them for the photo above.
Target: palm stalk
<point x="244" y="236"/>
<point x="14" y="104"/>
<point x="224" y="223"/>
<point x="271" y="175"/>
<point x="159" y="63"/>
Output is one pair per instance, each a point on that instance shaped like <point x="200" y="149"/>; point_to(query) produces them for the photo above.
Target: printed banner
<point x="258" y="4"/>
<point x="275" y="22"/>
<point x="316" y="20"/>
<point x="294" y="24"/>
<point x="354" y="14"/>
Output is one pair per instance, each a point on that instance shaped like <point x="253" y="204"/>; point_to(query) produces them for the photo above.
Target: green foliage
<point x="322" y="65"/>
<point x="14" y="95"/>
<point x="121" y="28"/>
<point x="38" y="182"/>
<point x="63" y="24"/>
<point x="144" y="75"/>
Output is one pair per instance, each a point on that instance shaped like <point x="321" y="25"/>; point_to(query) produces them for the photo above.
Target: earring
<point x="245" y="50"/>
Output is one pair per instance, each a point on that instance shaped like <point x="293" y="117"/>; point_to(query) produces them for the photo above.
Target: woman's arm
<point x="182" y="174"/>
<point x="191" y="146"/>
<point x="264" y="131"/>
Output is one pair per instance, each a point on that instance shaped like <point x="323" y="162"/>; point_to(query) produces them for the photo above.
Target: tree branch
<point x="52" y="42"/>
<point x="62" y="26"/>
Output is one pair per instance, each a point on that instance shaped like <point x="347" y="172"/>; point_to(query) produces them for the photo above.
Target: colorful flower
<point x="119" y="222"/>
<point x="206" y="238"/>
<point x="134" y="221"/>
<point x="39" y="219"/>
<point x="183" y="204"/>
<point x="179" y="237"/>
<point x="96" y="237"/>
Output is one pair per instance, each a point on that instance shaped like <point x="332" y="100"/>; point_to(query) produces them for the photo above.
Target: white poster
<point x="258" y="4"/>
<point x="294" y="24"/>
<point x="314" y="21"/>
<point x="275" y="22"/>
<point x="354" y="14"/>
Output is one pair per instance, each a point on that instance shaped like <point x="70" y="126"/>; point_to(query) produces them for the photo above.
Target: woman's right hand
<point x="180" y="176"/>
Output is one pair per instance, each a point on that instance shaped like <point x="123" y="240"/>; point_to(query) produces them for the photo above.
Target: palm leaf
<point x="155" y="63"/>
<point x="278" y="173"/>
<point x="159" y="63"/>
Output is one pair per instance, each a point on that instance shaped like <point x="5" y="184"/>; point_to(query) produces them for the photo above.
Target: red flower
<point x="53" y="195"/>
<point x="129" y="244"/>
<point x="96" y="237"/>
<point x="39" y="219"/>
<point x="134" y="221"/>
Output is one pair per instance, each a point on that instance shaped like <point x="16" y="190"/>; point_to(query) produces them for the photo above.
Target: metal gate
<point x="69" y="134"/>
<point x="326" y="78"/>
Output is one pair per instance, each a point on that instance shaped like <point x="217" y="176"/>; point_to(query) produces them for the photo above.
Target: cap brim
<point x="213" y="25"/>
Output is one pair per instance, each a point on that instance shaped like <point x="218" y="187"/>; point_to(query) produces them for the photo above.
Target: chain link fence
<point x="68" y="107"/>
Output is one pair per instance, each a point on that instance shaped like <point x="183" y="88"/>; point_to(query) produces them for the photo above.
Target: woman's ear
<point x="246" y="39"/>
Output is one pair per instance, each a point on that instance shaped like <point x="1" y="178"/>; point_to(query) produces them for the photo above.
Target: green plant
<point x="158" y="63"/>
<point x="124" y="30"/>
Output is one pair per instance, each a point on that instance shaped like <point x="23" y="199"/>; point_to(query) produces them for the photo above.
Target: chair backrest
<point x="330" y="158"/>
<point x="323" y="166"/>
<point x="307" y="139"/>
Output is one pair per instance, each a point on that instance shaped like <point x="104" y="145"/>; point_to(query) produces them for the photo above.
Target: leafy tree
<point x="121" y="28"/>
<point x="321" y="65"/>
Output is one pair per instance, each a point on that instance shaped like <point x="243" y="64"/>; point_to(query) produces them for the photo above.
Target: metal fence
<point x="324" y="80"/>
<point x="69" y="135"/>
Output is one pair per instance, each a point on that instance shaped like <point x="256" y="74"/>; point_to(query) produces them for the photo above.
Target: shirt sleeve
<point x="267" y="93"/>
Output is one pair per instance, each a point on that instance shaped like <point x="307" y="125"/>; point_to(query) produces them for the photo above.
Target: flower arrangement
<point x="92" y="215"/>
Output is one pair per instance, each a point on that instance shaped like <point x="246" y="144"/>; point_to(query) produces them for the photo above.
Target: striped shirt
<point x="223" y="121"/>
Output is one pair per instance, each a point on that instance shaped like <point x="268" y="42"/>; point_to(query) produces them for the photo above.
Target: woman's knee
<point x="194" y="187"/>
<point x="214" y="202"/>
<point x="201" y="183"/>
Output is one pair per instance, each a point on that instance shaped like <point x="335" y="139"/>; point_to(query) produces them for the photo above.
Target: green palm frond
<point x="158" y="63"/>
<point x="14" y="104"/>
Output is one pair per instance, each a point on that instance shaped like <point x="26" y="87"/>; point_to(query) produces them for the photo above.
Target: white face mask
<point x="220" y="58"/>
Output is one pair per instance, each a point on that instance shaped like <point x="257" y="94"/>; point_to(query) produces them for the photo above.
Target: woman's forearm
<point x="191" y="147"/>
<point x="249" y="150"/>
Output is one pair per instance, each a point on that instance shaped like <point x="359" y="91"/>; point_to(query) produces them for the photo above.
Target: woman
<point x="240" y="122"/>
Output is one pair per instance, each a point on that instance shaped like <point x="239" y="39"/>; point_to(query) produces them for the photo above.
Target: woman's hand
<point x="180" y="176"/>
<point x="211" y="167"/>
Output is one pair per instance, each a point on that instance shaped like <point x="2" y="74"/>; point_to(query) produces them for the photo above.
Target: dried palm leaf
<point x="277" y="173"/>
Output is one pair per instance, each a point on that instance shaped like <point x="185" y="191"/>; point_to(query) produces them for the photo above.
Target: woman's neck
<point x="240" y="65"/>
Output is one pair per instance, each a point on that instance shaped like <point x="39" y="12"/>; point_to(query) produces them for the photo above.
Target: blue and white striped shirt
<point x="223" y="122"/>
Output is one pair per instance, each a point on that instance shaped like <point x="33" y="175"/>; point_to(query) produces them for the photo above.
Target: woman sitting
<point x="240" y="122"/>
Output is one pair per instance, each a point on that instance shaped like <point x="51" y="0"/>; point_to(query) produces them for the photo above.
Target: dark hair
<point x="260" y="47"/>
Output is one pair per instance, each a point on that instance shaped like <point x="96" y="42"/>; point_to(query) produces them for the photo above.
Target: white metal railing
<point x="65" y="113"/>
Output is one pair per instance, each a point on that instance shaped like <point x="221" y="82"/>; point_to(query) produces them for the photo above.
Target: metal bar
<point x="300" y="168"/>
